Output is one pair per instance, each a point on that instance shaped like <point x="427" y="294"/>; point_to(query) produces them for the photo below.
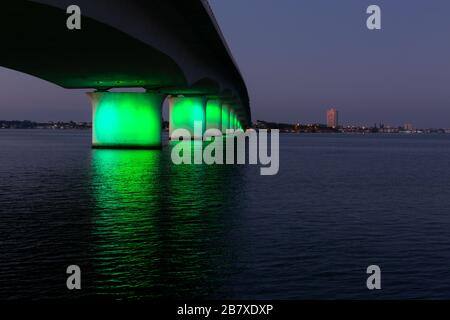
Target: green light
<point x="126" y="119"/>
<point x="126" y="205"/>
<point x="143" y="207"/>
<point x="232" y="119"/>
<point x="213" y="115"/>
<point x="225" y="118"/>
<point x="185" y="111"/>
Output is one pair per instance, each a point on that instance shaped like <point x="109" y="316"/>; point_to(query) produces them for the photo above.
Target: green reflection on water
<point x="159" y="229"/>
<point x="125" y="182"/>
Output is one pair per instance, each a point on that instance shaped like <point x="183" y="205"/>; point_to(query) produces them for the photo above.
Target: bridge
<point x="173" y="49"/>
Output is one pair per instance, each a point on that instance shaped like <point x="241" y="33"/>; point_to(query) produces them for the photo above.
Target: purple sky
<point x="300" y="57"/>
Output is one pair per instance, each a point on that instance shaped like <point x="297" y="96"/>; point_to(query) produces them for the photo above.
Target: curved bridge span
<point x="171" y="48"/>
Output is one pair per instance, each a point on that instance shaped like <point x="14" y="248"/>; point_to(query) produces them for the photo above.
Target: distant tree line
<point x="27" y="124"/>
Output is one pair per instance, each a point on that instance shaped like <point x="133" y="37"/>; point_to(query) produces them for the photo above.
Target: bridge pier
<point x="232" y="120"/>
<point x="184" y="112"/>
<point x="225" y="118"/>
<point x="213" y="115"/>
<point x="126" y="120"/>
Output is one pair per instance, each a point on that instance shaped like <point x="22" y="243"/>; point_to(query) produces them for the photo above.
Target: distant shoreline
<point x="281" y="132"/>
<point x="57" y="125"/>
<point x="283" y="128"/>
<point x="47" y="129"/>
<point x="347" y="129"/>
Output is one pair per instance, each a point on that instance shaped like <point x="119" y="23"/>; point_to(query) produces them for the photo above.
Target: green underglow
<point x="184" y="112"/>
<point x="232" y="120"/>
<point x="225" y="118"/>
<point x="213" y="115"/>
<point x="122" y="119"/>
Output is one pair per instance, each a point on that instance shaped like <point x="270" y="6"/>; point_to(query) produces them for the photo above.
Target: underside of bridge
<point x="168" y="47"/>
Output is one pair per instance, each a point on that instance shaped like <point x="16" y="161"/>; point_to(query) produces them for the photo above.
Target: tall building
<point x="332" y="118"/>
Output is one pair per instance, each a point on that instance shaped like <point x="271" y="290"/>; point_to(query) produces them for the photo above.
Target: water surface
<point x="140" y="227"/>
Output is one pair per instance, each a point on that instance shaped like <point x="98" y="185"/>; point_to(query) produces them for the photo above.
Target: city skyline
<point x="332" y="120"/>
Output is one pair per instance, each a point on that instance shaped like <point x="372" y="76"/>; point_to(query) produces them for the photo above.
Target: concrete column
<point x="213" y="114"/>
<point x="225" y="118"/>
<point x="238" y="123"/>
<point x="184" y="112"/>
<point x="232" y="119"/>
<point x="126" y="120"/>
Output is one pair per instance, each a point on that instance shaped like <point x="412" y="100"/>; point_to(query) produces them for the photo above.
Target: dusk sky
<point x="300" y="57"/>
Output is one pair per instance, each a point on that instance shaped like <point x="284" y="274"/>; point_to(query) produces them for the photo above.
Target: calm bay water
<point x="140" y="227"/>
